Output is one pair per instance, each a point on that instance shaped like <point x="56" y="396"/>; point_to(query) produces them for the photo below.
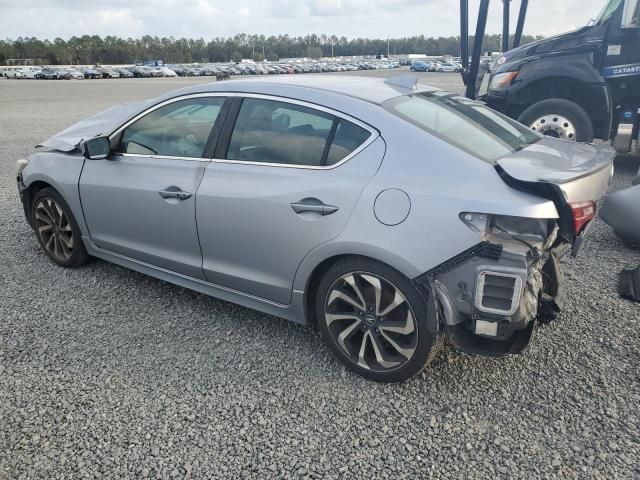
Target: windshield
<point x="608" y="10"/>
<point x="468" y="125"/>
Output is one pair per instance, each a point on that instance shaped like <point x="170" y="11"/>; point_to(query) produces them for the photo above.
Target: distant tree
<point x="90" y="49"/>
<point x="314" y="52"/>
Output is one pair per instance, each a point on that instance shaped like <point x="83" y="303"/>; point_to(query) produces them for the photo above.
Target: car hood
<point x="103" y="123"/>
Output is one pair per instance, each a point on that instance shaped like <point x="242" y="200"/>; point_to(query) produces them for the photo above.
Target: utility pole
<point x="332" y="49"/>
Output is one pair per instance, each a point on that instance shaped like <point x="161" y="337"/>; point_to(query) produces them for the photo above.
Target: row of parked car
<point x="221" y="71"/>
<point x="432" y="66"/>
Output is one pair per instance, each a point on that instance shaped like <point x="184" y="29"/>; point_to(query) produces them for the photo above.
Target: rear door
<point x="285" y="178"/>
<point x="140" y="202"/>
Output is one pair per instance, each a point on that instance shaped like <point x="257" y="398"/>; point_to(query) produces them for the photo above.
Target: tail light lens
<point x="583" y="213"/>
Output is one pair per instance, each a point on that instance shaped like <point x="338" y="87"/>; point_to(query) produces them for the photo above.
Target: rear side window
<point x="464" y="123"/>
<point x="269" y="131"/>
<point x="347" y="138"/>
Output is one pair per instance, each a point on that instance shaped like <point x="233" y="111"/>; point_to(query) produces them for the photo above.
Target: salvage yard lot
<point x="107" y="373"/>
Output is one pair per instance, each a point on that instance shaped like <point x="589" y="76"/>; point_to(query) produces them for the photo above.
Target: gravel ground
<point x="106" y="373"/>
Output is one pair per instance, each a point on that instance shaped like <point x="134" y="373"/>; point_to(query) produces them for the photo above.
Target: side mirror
<point x="97" y="148"/>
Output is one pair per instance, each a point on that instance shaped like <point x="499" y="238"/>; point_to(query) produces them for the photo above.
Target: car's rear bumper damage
<point x="491" y="296"/>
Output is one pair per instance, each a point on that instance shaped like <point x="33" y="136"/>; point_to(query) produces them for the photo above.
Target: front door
<point x="287" y="182"/>
<point x="140" y="202"/>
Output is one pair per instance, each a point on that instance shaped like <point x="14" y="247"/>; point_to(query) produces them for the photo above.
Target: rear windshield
<point x="464" y="123"/>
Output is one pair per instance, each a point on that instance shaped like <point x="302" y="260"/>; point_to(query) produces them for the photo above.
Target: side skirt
<point x="293" y="312"/>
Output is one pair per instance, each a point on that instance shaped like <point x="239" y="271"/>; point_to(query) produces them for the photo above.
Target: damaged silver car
<point x="394" y="217"/>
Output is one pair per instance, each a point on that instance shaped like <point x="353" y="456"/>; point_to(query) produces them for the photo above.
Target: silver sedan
<point x="391" y="216"/>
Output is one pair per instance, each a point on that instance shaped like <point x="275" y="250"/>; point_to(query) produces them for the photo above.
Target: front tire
<point x="559" y="118"/>
<point x="57" y="230"/>
<point x="375" y="321"/>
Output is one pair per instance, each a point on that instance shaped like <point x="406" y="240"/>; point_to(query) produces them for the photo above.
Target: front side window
<point x="269" y="131"/>
<point x="179" y="129"/>
<point x="464" y="123"/>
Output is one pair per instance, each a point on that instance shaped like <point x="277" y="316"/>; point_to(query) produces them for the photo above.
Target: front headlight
<point x="21" y="165"/>
<point x="502" y="80"/>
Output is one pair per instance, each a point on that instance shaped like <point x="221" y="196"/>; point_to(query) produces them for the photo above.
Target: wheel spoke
<point x="45" y="228"/>
<point x="48" y="243"/>
<point x="398" y="300"/>
<point x="332" y="317"/>
<point x="338" y="294"/>
<point x="47" y="218"/>
<point x="363" y="348"/>
<point x="408" y="327"/>
<point x="379" y="351"/>
<point x="377" y="289"/>
<point x="405" y="352"/>
<point x="351" y="280"/>
<point x="60" y="215"/>
<point x="347" y="332"/>
<point x="66" y="241"/>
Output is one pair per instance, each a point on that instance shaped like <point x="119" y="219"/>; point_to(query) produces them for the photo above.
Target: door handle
<point x="313" y="205"/>
<point x="175" y="192"/>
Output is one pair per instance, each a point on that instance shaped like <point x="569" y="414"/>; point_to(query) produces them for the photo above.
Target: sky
<point x="218" y="18"/>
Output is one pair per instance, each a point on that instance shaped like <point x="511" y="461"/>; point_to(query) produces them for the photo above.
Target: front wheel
<point x="559" y="118"/>
<point x="375" y="321"/>
<point x="57" y="231"/>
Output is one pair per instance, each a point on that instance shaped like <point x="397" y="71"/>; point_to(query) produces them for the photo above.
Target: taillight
<point x="583" y="213"/>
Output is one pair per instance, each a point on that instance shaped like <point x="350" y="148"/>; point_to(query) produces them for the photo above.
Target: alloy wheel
<point x="371" y="321"/>
<point x="54" y="229"/>
<point x="554" y="125"/>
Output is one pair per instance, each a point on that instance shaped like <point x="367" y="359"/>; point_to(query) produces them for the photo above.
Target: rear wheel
<point x="57" y="230"/>
<point x="376" y="321"/>
<point x="559" y="118"/>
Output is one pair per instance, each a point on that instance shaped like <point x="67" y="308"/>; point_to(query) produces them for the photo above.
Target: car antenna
<point x="404" y="81"/>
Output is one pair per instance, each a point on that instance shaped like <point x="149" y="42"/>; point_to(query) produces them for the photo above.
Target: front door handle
<point x="175" y="192"/>
<point x="313" y="205"/>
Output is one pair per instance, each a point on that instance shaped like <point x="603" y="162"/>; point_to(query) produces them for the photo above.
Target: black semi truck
<point x="577" y="86"/>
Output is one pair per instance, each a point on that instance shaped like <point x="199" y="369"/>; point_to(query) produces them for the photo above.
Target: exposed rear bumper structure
<point x="491" y="296"/>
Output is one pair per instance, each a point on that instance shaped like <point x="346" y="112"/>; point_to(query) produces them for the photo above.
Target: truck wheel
<point x="560" y="119"/>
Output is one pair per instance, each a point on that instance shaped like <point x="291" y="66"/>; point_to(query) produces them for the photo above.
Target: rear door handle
<point x="313" y="205"/>
<point x="175" y="192"/>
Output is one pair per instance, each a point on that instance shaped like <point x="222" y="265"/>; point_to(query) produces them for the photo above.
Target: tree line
<point x="93" y="49"/>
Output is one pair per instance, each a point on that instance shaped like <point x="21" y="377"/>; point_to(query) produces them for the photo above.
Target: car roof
<point x="370" y="89"/>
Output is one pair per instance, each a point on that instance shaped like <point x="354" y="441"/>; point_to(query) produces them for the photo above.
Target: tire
<point x="412" y="69"/>
<point x="378" y="328"/>
<point x="578" y="128"/>
<point x="64" y="245"/>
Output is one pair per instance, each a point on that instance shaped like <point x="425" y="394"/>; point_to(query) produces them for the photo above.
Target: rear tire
<point x="550" y="115"/>
<point x="375" y="321"/>
<point x="57" y="230"/>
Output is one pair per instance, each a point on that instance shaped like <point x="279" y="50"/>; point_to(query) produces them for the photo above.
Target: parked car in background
<point x="108" y="72"/>
<point x="419" y="66"/>
<point x="49" y="74"/>
<point x="350" y="237"/>
<point x="13" y="73"/>
<point x="167" y="72"/>
<point x="30" y="72"/>
<point x="124" y="73"/>
<point x="70" y="74"/>
<point x="447" y="67"/>
<point x="91" y="72"/>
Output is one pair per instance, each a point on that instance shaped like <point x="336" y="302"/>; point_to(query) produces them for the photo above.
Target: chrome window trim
<point x="374" y="134"/>
<point x="161" y="157"/>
